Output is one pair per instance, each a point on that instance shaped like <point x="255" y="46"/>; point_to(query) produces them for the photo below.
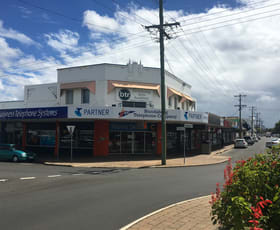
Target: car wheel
<point x="15" y="158"/>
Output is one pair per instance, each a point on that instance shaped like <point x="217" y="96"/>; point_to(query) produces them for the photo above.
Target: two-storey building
<point x="115" y="110"/>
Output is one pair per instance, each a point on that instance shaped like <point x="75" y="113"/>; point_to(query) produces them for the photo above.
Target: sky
<point x="221" y="48"/>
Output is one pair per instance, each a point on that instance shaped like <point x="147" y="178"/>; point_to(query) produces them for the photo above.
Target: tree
<point x="277" y="127"/>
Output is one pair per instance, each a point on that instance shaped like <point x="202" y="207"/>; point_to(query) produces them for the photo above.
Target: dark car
<point x="249" y="140"/>
<point x="9" y="152"/>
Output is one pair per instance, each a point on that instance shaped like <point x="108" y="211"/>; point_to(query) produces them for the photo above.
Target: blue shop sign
<point x="34" y="113"/>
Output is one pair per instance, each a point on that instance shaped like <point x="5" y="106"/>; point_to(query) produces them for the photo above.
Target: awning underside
<point x="184" y="97"/>
<point x="132" y="85"/>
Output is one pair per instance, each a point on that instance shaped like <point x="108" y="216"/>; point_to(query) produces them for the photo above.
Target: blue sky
<point x="222" y="48"/>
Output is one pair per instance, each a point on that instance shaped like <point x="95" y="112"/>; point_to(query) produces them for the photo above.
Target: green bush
<point x="251" y="195"/>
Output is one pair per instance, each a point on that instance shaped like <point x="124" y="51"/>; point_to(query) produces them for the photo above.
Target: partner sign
<point x="120" y="113"/>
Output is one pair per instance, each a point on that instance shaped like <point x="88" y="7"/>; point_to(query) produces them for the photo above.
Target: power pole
<point x="252" y="119"/>
<point x="162" y="33"/>
<point x="258" y="119"/>
<point x="240" y="108"/>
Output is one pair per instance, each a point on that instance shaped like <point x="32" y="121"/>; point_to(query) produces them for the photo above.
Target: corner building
<point x="115" y="110"/>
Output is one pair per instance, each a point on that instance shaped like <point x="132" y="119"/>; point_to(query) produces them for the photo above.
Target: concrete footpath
<point x="129" y="162"/>
<point x="192" y="214"/>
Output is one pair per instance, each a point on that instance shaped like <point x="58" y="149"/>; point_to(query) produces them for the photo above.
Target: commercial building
<point x="115" y="110"/>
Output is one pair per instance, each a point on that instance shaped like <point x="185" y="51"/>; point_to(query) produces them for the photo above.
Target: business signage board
<point x="125" y="94"/>
<point x="106" y="112"/>
<point x="34" y="113"/>
<point x="191" y="116"/>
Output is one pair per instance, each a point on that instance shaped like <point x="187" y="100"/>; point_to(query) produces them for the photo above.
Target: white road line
<point x="77" y="174"/>
<point x="27" y="178"/>
<point x="3" y="180"/>
<point x="54" y="175"/>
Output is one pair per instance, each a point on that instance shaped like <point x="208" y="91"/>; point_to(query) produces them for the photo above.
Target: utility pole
<point x="252" y="119"/>
<point x="240" y="108"/>
<point x="258" y="121"/>
<point x="162" y="33"/>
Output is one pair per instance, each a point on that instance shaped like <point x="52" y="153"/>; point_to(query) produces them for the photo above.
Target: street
<point x="34" y="196"/>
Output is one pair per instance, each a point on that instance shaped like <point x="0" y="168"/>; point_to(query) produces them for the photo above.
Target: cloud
<point x="13" y="34"/>
<point x="9" y="54"/>
<point x="99" y="24"/>
<point x="266" y="99"/>
<point x="65" y="40"/>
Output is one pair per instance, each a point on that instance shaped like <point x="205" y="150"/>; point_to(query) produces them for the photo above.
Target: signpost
<point x="71" y="129"/>
<point x="180" y="128"/>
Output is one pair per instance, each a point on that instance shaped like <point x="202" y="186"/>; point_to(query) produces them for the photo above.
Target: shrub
<point x="251" y="195"/>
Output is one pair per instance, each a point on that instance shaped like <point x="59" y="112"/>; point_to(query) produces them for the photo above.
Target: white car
<point x="272" y="142"/>
<point x="240" y="143"/>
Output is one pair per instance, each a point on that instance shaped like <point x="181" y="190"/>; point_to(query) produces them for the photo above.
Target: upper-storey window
<point x="69" y="96"/>
<point x="85" y="96"/>
<point x="169" y="101"/>
<point x="175" y="102"/>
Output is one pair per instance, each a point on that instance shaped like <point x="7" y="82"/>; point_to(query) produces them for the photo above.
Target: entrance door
<point x="126" y="142"/>
<point x="139" y="142"/>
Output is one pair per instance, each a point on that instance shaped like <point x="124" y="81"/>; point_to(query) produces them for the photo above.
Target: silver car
<point x="272" y="142"/>
<point x="240" y="143"/>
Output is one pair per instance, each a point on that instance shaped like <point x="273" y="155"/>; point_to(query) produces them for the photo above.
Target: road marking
<point x="54" y="175"/>
<point x="27" y="178"/>
<point x="3" y="180"/>
<point x="78" y="174"/>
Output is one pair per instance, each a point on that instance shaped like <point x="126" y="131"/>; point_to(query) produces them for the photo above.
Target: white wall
<point x="45" y="95"/>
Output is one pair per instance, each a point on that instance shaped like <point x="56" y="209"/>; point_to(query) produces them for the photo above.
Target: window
<point x="175" y="102"/>
<point x="183" y="105"/>
<point x="169" y="101"/>
<point x="69" y="96"/>
<point x="85" y="96"/>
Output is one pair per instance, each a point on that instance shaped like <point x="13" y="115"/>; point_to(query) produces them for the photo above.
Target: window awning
<point x="91" y="85"/>
<point x="132" y="85"/>
<point x="184" y="97"/>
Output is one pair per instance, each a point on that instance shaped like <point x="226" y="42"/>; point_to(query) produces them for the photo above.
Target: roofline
<point x="145" y="67"/>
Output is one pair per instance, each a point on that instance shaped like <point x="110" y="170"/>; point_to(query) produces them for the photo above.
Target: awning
<point x="184" y="97"/>
<point x="132" y="85"/>
<point x="91" y="85"/>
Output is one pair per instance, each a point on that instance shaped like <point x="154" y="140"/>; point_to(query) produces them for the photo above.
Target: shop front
<point x="132" y="138"/>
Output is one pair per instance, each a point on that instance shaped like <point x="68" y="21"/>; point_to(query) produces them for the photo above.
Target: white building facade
<point x="115" y="110"/>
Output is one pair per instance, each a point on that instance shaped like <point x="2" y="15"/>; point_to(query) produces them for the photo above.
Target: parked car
<point x="272" y="142"/>
<point x="9" y="152"/>
<point x="240" y="143"/>
<point x="249" y="140"/>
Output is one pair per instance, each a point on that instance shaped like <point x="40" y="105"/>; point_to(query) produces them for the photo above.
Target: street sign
<point x="71" y="129"/>
<point x="180" y="128"/>
<point x="188" y="126"/>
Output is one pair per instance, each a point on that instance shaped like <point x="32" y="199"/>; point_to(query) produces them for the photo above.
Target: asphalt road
<point x="52" y="197"/>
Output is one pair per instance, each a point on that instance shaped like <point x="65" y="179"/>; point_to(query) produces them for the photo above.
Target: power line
<point x="70" y="18"/>
<point x="205" y="27"/>
<point x="86" y="58"/>
<point x="223" y="11"/>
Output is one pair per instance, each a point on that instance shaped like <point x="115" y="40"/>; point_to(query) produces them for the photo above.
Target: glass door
<point x="115" y="142"/>
<point x="126" y="142"/>
<point x="150" y="142"/>
<point x="139" y="142"/>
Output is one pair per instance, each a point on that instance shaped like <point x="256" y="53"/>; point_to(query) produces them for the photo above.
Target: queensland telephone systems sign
<point x="34" y="113"/>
